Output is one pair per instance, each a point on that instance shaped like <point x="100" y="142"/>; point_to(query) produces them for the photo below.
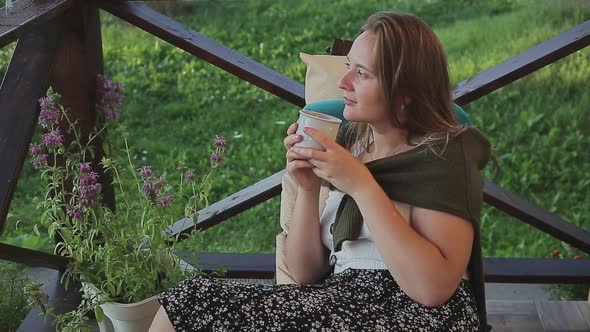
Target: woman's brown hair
<point x="410" y="62"/>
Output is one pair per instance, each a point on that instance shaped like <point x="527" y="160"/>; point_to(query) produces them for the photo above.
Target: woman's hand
<point x="298" y="166"/>
<point x="335" y="165"/>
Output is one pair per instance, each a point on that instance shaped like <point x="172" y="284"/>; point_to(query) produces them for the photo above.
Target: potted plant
<point x="125" y="257"/>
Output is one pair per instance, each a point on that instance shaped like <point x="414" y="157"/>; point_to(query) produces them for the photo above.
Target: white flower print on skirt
<point x="353" y="300"/>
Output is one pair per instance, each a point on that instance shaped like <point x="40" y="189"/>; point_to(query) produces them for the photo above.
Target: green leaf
<point x="106" y="148"/>
<point x="99" y="313"/>
<point x="36" y="230"/>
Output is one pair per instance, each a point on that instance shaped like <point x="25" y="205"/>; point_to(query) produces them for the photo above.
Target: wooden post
<point x="25" y="81"/>
<point x="78" y="61"/>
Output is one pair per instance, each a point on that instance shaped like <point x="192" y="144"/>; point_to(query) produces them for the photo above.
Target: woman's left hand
<point x="335" y="165"/>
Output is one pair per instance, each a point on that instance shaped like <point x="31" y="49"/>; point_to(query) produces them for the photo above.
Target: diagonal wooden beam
<point x="26" y="80"/>
<point x="27" y="15"/>
<point x="31" y="257"/>
<point x="523" y="64"/>
<point x="537" y="217"/>
<point x="231" y="205"/>
<point x="207" y="49"/>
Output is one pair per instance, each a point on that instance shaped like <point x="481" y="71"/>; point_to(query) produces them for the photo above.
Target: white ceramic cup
<point x="327" y="124"/>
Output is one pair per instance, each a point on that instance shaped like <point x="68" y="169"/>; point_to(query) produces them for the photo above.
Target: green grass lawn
<point x="176" y="103"/>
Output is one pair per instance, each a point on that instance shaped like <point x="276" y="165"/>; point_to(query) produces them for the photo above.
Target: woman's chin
<point x="348" y="114"/>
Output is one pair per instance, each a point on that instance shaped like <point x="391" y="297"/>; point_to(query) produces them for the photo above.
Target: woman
<point x="386" y="247"/>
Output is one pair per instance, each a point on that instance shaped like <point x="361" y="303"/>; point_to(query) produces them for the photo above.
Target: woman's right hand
<point x="297" y="166"/>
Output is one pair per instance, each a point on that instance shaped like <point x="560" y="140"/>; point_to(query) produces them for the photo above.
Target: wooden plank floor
<point x="533" y="316"/>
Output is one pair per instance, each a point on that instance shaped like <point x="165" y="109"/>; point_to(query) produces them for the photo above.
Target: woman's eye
<point x="360" y="73"/>
<point x="347" y="64"/>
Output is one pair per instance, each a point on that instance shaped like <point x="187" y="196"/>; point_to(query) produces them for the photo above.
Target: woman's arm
<point x="307" y="257"/>
<point x="426" y="259"/>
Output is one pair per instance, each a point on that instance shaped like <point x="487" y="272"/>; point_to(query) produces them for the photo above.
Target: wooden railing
<point x="59" y="43"/>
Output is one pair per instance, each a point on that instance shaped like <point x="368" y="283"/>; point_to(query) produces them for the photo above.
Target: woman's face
<point x="363" y="97"/>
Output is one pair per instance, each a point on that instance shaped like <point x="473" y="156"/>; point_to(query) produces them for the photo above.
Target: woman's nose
<point x="344" y="81"/>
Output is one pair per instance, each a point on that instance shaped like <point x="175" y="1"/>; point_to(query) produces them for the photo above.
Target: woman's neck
<point x="388" y="142"/>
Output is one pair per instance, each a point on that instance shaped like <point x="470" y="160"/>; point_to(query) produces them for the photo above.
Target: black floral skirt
<point x="353" y="300"/>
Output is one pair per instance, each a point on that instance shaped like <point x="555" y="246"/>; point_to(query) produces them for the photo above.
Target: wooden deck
<point x="534" y="316"/>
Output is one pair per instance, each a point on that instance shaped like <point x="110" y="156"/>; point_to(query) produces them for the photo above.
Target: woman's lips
<point x="349" y="102"/>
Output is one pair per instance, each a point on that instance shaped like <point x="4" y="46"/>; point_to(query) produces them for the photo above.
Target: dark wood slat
<point x="25" y="81"/>
<point x="536" y="270"/>
<point x="497" y="270"/>
<point x="523" y="64"/>
<point x="260" y="266"/>
<point x="27" y="15"/>
<point x="232" y="205"/>
<point x="58" y="297"/>
<point x="537" y="217"/>
<point x="339" y="47"/>
<point x="207" y="49"/>
<point x="31" y="257"/>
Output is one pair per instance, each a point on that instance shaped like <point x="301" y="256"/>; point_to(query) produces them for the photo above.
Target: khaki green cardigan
<point x="449" y="180"/>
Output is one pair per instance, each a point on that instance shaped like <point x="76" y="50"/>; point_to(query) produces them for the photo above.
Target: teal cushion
<point x="335" y="107"/>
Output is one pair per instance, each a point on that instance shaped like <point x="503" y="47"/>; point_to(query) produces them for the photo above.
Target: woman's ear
<point x="407" y="100"/>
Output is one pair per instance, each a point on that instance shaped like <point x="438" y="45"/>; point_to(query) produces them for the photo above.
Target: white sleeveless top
<point x="361" y="253"/>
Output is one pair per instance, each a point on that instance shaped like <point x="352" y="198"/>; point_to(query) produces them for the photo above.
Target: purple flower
<point x="148" y="191"/>
<point x="88" y="179"/>
<point x="87" y="202"/>
<point x="52" y="138"/>
<point x="104" y="83"/>
<point x="85" y="167"/>
<point x="44" y="102"/>
<point x="216" y="157"/>
<point x="40" y="161"/>
<point x="160" y="182"/>
<point x="36" y="150"/>
<point x="50" y="113"/>
<point x="74" y="212"/>
<point x="153" y="190"/>
<point x="145" y="171"/>
<point x="164" y="201"/>
<point x="219" y="141"/>
<point x="49" y="116"/>
<point x="88" y="190"/>
<point x="190" y="175"/>
<point x="109" y="97"/>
